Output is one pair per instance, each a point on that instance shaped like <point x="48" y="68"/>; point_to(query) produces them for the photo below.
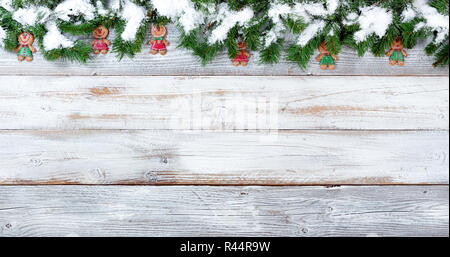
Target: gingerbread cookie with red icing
<point x="243" y="55"/>
<point x="100" y="44"/>
<point x="158" y="43"/>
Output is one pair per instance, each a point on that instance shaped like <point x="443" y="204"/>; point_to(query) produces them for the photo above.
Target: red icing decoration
<point x="243" y="55"/>
<point x="100" y="44"/>
<point x="158" y="45"/>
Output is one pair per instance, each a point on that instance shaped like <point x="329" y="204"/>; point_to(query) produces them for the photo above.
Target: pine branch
<point x="274" y="28"/>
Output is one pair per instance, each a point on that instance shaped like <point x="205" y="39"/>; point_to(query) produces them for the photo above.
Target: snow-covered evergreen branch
<point x="210" y="26"/>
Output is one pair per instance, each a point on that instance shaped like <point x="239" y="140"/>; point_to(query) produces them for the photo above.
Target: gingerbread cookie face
<point x="26" y="38"/>
<point x="101" y="32"/>
<point x="242" y="45"/>
<point x="159" y="31"/>
<point x="397" y="44"/>
<point x="323" y="48"/>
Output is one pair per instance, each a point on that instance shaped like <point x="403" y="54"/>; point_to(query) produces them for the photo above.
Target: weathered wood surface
<point x="224" y="211"/>
<point x="181" y="62"/>
<point x="124" y="123"/>
<point x="224" y="103"/>
<point x="218" y="158"/>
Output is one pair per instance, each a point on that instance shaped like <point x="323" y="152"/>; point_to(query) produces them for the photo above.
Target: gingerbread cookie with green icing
<point x="327" y="60"/>
<point x="397" y="54"/>
<point x="25" y="49"/>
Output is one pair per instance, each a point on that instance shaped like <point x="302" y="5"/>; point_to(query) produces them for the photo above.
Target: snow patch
<point x="182" y="10"/>
<point x="275" y="13"/>
<point x="75" y="8"/>
<point x="373" y="20"/>
<point x="408" y="14"/>
<point x="134" y="15"/>
<point x="310" y="32"/>
<point x="101" y="10"/>
<point x="351" y="19"/>
<point x="434" y="20"/>
<point x="54" y="39"/>
<point x="7" y="5"/>
<point x="31" y="15"/>
<point x="2" y="35"/>
<point x="228" y="19"/>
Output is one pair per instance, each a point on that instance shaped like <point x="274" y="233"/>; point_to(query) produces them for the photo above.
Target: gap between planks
<point x="233" y="75"/>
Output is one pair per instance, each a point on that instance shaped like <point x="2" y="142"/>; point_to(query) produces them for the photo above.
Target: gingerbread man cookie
<point x="25" y="49"/>
<point x="159" y="43"/>
<point x="325" y="58"/>
<point x="243" y="55"/>
<point x="397" y="54"/>
<point x="100" y="44"/>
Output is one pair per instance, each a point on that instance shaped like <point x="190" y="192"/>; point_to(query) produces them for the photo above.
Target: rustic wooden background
<point x="360" y="151"/>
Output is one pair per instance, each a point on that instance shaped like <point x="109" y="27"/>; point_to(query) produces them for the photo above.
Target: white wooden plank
<point x="224" y="103"/>
<point x="181" y="62"/>
<point x="219" y="158"/>
<point x="224" y="211"/>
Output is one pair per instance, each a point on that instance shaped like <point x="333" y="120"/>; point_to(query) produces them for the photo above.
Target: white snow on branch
<point x="351" y="19"/>
<point x="434" y="20"/>
<point x="312" y="11"/>
<point x="318" y="9"/>
<point x="310" y="32"/>
<point x="54" y="39"/>
<point x="101" y="10"/>
<point x="332" y="6"/>
<point x="227" y="19"/>
<point x="419" y="26"/>
<point x="314" y="14"/>
<point x="134" y="16"/>
<point x="373" y="20"/>
<point x="409" y="14"/>
<point x="32" y="15"/>
<point x="183" y="11"/>
<point x="2" y="35"/>
<point x="7" y="5"/>
<point x="190" y="17"/>
<point x="114" y="5"/>
<point x="278" y="11"/>
<point x="70" y="8"/>
<point x="275" y="13"/>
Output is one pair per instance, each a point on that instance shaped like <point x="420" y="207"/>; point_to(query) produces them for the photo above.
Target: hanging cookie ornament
<point x="327" y="60"/>
<point x="158" y="43"/>
<point x="25" y="49"/>
<point x="100" y="44"/>
<point x="243" y="55"/>
<point x="397" y="54"/>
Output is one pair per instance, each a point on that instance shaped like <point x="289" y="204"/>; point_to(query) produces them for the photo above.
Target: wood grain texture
<point x="181" y="62"/>
<point x="158" y="121"/>
<point x="224" y="211"/>
<point x="224" y="103"/>
<point x="219" y="158"/>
